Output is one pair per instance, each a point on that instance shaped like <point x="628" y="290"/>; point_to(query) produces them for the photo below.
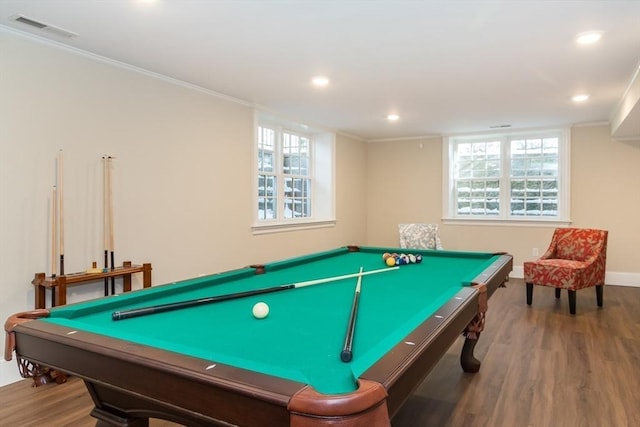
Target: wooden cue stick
<point x="347" y="349"/>
<point x="61" y="210"/>
<point x="136" y="312"/>
<point x="105" y="221"/>
<point x="111" y="244"/>
<point x="54" y="228"/>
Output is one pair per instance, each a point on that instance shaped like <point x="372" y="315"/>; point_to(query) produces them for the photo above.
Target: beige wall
<point x="182" y="174"/>
<point x="405" y="185"/>
<point x="605" y="192"/>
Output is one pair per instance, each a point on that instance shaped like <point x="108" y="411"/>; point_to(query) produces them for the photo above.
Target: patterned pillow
<point x="419" y="236"/>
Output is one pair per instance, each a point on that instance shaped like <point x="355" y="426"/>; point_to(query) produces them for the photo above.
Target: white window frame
<point x="449" y="198"/>
<point x="322" y="170"/>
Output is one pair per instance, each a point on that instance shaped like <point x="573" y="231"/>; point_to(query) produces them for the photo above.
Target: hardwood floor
<point x="541" y="367"/>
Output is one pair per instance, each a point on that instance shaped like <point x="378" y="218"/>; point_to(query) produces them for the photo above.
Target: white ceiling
<point x="445" y="67"/>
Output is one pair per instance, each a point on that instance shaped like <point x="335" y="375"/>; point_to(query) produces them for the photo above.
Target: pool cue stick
<point x="111" y="244"/>
<point x="347" y="349"/>
<point x="54" y="228"/>
<point x="136" y="312"/>
<point x="61" y="210"/>
<point x="105" y="221"/>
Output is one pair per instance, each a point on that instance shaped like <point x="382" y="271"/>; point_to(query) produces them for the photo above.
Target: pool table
<point x="216" y="364"/>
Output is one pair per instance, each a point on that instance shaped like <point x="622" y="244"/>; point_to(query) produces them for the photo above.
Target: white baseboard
<point x="611" y="277"/>
<point x="622" y="279"/>
<point x="9" y="372"/>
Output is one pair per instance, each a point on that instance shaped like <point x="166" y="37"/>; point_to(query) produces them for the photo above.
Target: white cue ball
<point x="260" y="310"/>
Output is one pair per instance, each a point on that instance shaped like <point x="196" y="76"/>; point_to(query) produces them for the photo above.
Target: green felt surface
<point x="302" y="337"/>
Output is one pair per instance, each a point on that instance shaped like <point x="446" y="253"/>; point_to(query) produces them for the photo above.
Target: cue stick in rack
<point x="347" y="349"/>
<point x="54" y="237"/>
<point x="61" y="209"/>
<point x="111" y="244"/>
<point x="136" y="312"/>
<point x="105" y="221"/>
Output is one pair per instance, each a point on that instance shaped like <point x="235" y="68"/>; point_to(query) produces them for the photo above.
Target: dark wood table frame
<point x="129" y="382"/>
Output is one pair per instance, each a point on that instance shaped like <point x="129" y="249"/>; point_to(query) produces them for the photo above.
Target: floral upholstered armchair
<point x="576" y="259"/>
<point x="419" y="236"/>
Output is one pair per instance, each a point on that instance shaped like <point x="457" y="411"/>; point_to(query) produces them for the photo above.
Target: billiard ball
<point x="260" y="310"/>
<point x="418" y="259"/>
<point x="391" y="261"/>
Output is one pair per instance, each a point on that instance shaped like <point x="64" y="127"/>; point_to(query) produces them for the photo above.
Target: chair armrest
<point x="550" y="253"/>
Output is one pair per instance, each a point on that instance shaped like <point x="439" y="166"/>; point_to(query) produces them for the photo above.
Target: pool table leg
<point x="109" y="416"/>
<point x="109" y="419"/>
<point x="472" y="332"/>
<point x="472" y="335"/>
<point x="467" y="359"/>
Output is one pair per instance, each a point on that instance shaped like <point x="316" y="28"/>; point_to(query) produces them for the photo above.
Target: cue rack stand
<point x="59" y="284"/>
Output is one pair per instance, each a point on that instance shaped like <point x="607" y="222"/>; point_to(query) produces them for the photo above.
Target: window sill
<point x="507" y="222"/>
<point x="280" y="227"/>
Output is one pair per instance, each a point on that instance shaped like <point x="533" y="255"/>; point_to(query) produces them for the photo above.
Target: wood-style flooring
<point x="541" y="367"/>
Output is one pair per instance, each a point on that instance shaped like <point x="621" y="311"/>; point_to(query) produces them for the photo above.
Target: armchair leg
<point x="599" y="291"/>
<point x="558" y="292"/>
<point x="529" y="293"/>
<point x="572" y="301"/>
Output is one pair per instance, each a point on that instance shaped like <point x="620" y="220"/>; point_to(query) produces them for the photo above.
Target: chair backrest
<point x="419" y="236"/>
<point x="579" y="244"/>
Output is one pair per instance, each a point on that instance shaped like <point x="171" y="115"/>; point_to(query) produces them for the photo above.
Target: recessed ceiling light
<point x="320" y="81"/>
<point x="589" y="37"/>
<point x="393" y="117"/>
<point x="580" y="98"/>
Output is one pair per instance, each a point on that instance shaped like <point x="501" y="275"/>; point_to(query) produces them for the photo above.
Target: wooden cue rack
<point x="59" y="284"/>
